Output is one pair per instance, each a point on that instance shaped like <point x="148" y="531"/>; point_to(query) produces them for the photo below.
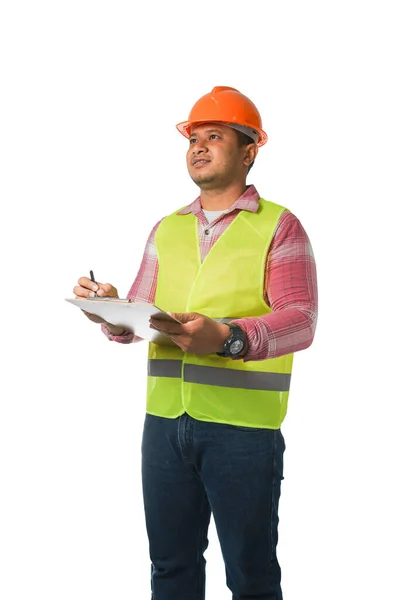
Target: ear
<point x="251" y="151"/>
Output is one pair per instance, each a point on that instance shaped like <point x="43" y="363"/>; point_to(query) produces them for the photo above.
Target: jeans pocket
<point x="244" y="427"/>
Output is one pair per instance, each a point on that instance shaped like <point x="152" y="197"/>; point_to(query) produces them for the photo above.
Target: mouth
<point x="199" y="162"/>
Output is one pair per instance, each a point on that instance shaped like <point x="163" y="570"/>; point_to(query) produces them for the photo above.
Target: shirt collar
<point x="247" y="201"/>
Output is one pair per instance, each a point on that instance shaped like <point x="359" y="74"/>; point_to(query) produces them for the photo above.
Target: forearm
<point x="278" y="333"/>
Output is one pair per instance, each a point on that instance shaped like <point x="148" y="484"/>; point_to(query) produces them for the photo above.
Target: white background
<point x="90" y="160"/>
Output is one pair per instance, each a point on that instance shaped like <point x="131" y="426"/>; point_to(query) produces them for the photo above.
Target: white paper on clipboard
<point x="131" y="315"/>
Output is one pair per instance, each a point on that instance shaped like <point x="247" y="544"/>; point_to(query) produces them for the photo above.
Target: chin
<point x="204" y="183"/>
<point x="203" y="179"/>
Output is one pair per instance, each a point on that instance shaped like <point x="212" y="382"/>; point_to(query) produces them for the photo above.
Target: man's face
<point x="214" y="157"/>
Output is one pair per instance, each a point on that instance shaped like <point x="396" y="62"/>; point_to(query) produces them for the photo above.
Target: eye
<point x="192" y="140"/>
<point x="214" y="135"/>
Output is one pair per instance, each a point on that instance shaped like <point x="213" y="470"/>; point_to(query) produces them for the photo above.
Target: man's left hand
<point x="195" y="333"/>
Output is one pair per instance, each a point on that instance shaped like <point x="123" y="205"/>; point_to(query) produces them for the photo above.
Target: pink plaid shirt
<point x="290" y="283"/>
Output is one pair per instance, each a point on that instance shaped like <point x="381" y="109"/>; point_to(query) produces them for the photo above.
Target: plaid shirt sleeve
<point x="291" y="292"/>
<point x="143" y="288"/>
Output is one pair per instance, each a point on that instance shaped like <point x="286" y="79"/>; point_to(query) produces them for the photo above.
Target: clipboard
<point x="131" y="315"/>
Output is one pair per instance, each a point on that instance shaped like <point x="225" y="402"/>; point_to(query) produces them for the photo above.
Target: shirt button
<point x="207" y="231"/>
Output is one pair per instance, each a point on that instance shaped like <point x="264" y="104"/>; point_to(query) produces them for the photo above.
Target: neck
<point x="223" y="198"/>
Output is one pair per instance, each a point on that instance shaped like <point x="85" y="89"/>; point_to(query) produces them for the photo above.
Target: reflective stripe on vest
<point x="228" y="284"/>
<point x="250" y="380"/>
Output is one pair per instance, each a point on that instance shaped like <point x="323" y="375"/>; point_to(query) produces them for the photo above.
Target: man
<point x="238" y="272"/>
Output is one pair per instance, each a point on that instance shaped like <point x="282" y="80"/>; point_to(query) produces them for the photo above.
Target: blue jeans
<point x="190" y="468"/>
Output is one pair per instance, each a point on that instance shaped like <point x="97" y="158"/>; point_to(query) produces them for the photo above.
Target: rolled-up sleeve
<point x="291" y="292"/>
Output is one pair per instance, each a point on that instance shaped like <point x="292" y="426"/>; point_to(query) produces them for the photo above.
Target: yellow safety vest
<point x="229" y="283"/>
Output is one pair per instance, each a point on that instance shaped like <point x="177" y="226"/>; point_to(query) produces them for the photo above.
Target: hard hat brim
<point x="184" y="129"/>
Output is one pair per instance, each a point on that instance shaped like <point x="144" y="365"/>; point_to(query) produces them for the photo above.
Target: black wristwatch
<point x="235" y="343"/>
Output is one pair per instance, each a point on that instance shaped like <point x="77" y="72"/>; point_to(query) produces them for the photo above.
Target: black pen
<point x="94" y="281"/>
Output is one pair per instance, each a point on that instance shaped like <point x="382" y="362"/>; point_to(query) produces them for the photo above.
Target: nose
<point x="200" y="144"/>
<point x="199" y="148"/>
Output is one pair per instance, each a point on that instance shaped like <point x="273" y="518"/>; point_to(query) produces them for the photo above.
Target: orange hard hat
<point x="226" y="105"/>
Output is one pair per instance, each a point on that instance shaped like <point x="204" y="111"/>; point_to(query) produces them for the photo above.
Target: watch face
<point x="236" y="347"/>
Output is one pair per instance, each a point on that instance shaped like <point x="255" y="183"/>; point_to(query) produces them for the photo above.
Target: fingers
<point x="87" y="288"/>
<point x="186" y="317"/>
<point x="107" y="290"/>
<point x="167" y="327"/>
<point x="87" y="283"/>
<point x="82" y="292"/>
<point x="94" y="318"/>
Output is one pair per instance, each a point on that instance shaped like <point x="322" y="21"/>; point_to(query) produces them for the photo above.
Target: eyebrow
<point x="208" y="131"/>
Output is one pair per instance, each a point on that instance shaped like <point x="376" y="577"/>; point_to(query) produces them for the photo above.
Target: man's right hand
<point x="87" y="288"/>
